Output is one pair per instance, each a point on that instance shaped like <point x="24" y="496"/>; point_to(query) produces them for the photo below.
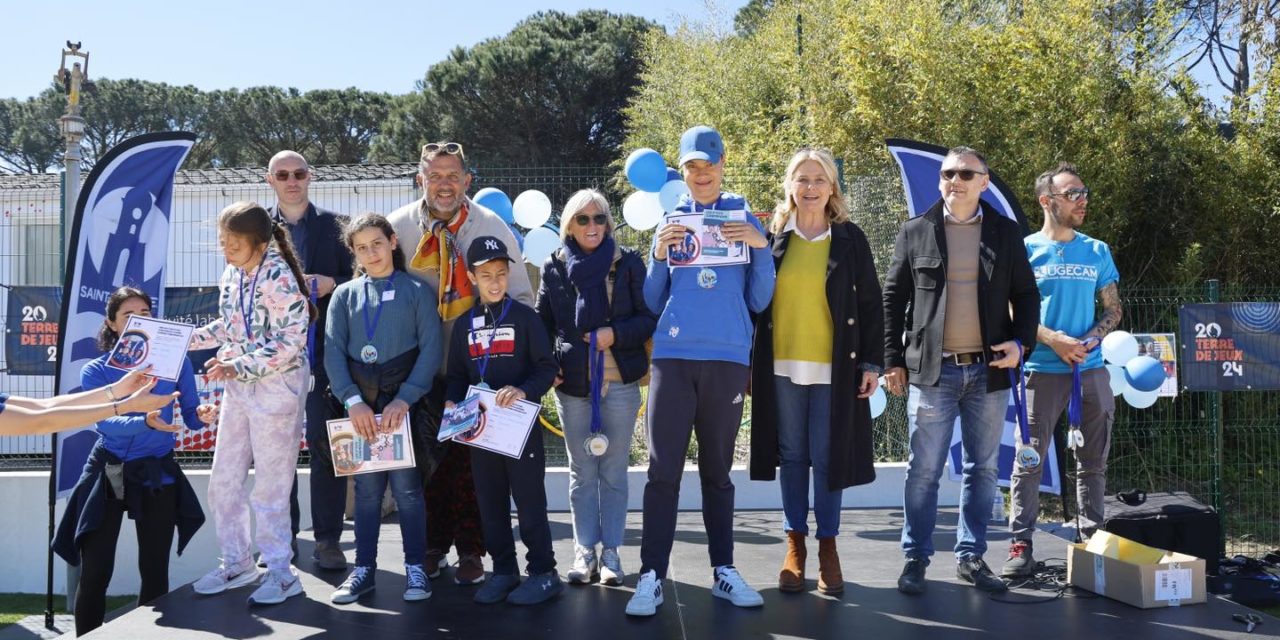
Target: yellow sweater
<point x="802" y="328"/>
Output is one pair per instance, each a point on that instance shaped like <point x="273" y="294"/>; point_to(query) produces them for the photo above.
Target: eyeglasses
<point x="451" y="148"/>
<point x="965" y="174"/>
<point x="583" y="219"/>
<point x="1074" y="195"/>
<point x="298" y="174"/>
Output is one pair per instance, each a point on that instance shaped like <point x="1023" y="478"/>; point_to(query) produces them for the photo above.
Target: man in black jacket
<point x="317" y="238"/>
<point x="957" y="272"/>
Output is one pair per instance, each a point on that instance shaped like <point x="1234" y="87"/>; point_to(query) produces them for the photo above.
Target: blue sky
<point x="309" y="44"/>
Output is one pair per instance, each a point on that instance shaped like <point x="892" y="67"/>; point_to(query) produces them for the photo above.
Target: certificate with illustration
<point x="704" y="242"/>
<point x="353" y="454"/>
<point x="152" y="341"/>
<point x="460" y="417"/>
<point x="496" y="429"/>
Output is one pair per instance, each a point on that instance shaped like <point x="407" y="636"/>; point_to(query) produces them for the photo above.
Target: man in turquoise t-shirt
<point x="1071" y="270"/>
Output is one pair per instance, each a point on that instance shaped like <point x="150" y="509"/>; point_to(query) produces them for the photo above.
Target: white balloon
<point x="878" y="400"/>
<point x="538" y="245"/>
<point x="1119" y="347"/>
<point x="1140" y="399"/>
<point x="642" y="210"/>
<point x="669" y="195"/>
<point x="1118" y="384"/>
<point x="531" y="209"/>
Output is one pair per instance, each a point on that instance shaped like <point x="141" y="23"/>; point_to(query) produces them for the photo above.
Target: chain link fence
<point x="1175" y="445"/>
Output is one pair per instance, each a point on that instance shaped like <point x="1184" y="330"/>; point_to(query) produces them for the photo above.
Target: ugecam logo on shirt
<point x="491" y="341"/>
<point x="1067" y="271"/>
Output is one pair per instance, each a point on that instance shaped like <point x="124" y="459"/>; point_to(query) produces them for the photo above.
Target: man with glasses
<point x="957" y="272"/>
<point x="1072" y="270"/>
<point x="317" y="239"/>
<point x="436" y="231"/>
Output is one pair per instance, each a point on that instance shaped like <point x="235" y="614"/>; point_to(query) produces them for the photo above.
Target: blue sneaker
<point x="357" y="584"/>
<point x="496" y="588"/>
<point x="417" y="586"/>
<point x="537" y="589"/>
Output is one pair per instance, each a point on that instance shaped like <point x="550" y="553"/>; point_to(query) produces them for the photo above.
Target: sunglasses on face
<point x="451" y="148"/>
<point x="1074" y="195"/>
<point x="583" y="219"/>
<point x="298" y="174"/>
<point x="965" y="174"/>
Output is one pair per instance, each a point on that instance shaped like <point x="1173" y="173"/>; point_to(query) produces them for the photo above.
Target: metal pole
<point x="1214" y="293"/>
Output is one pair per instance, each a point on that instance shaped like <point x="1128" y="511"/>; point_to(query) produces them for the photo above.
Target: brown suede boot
<point x="791" y="578"/>
<point x="830" y="579"/>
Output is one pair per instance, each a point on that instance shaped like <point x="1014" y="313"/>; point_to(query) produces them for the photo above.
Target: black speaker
<point x="1173" y="521"/>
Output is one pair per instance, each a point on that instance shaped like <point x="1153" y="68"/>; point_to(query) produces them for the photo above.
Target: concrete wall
<point x="24" y="530"/>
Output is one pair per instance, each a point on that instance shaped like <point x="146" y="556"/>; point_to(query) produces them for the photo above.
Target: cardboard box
<point x="1175" y="580"/>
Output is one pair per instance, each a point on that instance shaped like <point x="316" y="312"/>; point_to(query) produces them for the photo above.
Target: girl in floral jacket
<point x="261" y="339"/>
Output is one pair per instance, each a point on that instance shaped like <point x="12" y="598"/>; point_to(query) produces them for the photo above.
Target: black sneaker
<point x="977" y="572"/>
<point x="911" y="582"/>
<point x="1021" y="564"/>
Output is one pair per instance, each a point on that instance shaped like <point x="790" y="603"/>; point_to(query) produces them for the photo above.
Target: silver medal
<point x="707" y="278"/>
<point x="369" y="354"/>
<point x="1028" y="458"/>
<point x="596" y="444"/>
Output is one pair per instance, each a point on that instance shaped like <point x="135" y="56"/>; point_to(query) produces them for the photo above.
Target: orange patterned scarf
<point x="438" y="251"/>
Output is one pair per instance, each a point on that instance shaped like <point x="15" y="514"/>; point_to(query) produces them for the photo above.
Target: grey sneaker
<point x="537" y="589"/>
<point x="276" y="587"/>
<point x="225" y="577"/>
<point x="1021" y="564"/>
<point x="585" y="566"/>
<point x="611" y="572"/>
<point x="648" y="595"/>
<point x="496" y="588"/>
<point x="360" y="582"/>
<point x="416" y="584"/>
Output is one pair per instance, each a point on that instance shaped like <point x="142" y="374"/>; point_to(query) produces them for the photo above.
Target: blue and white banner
<point x="920" y="164"/>
<point x="119" y="236"/>
<point x="1230" y="346"/>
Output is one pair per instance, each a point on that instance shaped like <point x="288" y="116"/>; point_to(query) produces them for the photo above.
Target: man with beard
<point x="1071" y="269"/>
<point x="437" y="231"/>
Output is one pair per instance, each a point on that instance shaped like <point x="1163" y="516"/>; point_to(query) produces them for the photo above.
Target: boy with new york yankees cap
<point x="501" y="344"/>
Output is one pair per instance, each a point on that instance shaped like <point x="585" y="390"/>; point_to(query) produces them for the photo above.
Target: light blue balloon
<point x="646" y="170"/>
<point x="670" y="194"/>
<point x="1141" y="399"/>
<point x="672" y="174"/>
<point x="878" y="401"/>
<point x="1118" y="383"/>
<point x="1144" y="373"/>
<point x="496" y="201"/>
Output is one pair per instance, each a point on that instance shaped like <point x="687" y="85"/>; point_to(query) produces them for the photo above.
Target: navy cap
<point x="485" y="249"/>
<point x="701" y="143"/>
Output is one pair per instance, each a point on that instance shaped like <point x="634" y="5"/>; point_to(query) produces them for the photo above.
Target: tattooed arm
<point x="1111" y="312"/>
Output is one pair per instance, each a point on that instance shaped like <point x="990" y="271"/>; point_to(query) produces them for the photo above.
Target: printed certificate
<point x="704" y="242"/>
<point x="499" y="430"/>
<point x="353" y="454"/>
<point x="459" y="418"/>
<point x="159" y="343"/>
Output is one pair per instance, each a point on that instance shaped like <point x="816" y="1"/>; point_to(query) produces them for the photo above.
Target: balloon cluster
<point x="1137" y="378"/>
<point x="531" y="210"/>
<point x="658" y="189"/>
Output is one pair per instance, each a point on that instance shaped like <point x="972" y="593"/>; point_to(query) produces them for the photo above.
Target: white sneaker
<point x="611" y="572"/>
<point x="584" y="566"/>
<point x="277" y="586"/>
<point x="225" y="577"/>
<point x="730" y="586"/>
<point x="648" y="596"/>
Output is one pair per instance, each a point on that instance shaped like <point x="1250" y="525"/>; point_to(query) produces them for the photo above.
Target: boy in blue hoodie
<point x="701" y="357"/>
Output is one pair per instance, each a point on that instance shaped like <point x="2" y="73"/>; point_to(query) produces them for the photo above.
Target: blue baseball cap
<point x="701" y="143"/>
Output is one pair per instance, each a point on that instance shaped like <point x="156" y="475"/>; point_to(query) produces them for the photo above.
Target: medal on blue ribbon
<point x="1027" y="457"/>
<point x="707" y="278"/>
<point x="369" y="353"/>
<point x="597" y="443"/>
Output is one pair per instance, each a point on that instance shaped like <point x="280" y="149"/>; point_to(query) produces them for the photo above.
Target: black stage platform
<point x="871" y="607"/>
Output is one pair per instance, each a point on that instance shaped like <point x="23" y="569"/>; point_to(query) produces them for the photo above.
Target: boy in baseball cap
<point x="502" y="344"/>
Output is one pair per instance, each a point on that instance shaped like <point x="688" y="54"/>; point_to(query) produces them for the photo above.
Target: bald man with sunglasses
<point x="959" y="296"/>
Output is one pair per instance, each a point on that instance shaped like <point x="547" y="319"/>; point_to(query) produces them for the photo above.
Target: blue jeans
<point x="406" y="488"/>
<point x="598" y="484"/>
<point x="804" y="441"/>
<point x="931" y="414"/>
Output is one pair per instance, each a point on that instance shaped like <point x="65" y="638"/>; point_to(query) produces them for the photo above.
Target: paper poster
<point x="704" y="242"/>
<point x="353" y="454"/>
<point x="1162" y="347"/>
<point x="159" y="343"/>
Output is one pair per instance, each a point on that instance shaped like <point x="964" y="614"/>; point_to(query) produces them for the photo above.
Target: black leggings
<point x="155" y="526"/>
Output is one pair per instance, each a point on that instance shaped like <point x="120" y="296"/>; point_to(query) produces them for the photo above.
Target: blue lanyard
<point x="311" y="326"/>
<point x="369" y="329"/>
<point x="597" y="383"/>
<point x="247" y="314"/>
<point x="1019" y="384"/>
<point x="484" y="362"/>
<point x="1075" y="406"/>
